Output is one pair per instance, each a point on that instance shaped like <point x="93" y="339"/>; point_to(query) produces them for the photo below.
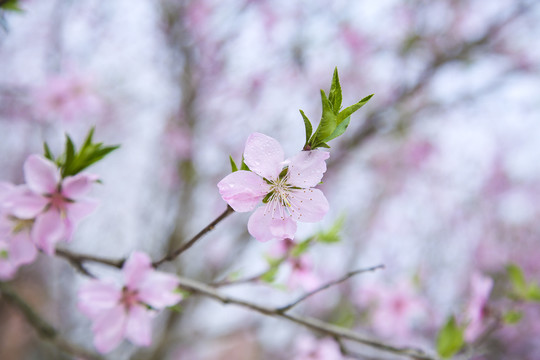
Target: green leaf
<point x="352" y="109"/>
<point x="533" y="293"/>
<point x="308" y="126"/>
<point x="89" y="136"/>
<point x="243" y="166"/>
<point x="47" y="152"/>
<point x="518" y="279"/>
<point x="450" y="339"/>
<point x="327" y="125"/>
<point x="175" y="308"/>
<point x="340" y="129"/>
<point x="10" y="5"/>
<point x="72" y="161"/>
<point x="69" y="157"/>
<point x="234" y="168"/>
<point x="345" y="316"/>
<point x="270" y="275"/>
<point x="301" y="248"/>
<point x="335" y="96"/>
<point x="512" y="317"/>
<point x="332" y="235"/>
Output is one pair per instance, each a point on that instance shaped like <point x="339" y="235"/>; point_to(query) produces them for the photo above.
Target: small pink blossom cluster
<point x="302" y="273"/>
<point x="284" y="187"/>
<point x="396" y="311"/>
<point x="126" y="311"/>
<point x="65" y="97"/>
<point x="40" y="213"/>
<point x="309" y="348"/>
<point x="476" y="312"/>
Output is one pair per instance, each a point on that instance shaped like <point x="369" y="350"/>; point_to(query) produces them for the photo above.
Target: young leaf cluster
<point x="522" y="290"/>
<point x="235" y="168"/>
<point x="334" y="121"/>
<point x="73" y="161"/>
<point x="450" y="338"/>
<point x="10" y="5"/>
<point x="333" y="234"/>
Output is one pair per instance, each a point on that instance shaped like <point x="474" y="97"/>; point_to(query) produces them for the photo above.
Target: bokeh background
<point x="437" y="176"/>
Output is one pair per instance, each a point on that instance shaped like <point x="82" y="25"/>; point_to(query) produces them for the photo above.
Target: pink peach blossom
<point x="126" y="312"/>
<point x="302" y="274"/>
<point x="395" y="311"/>
<point x="310" y="348"/>
<point x="56" y="204"/>
<point x="476" y="311"/>
<point x="290" y="196"/>
<point x="66" y="97"/>
<point x="16" y="247"/>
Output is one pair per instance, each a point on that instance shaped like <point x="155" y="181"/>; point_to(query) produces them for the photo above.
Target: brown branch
<point x="78" y="260"/>
<point x="245" y="280"/>
<point x="327" y="285"/>
<point x="43" y="329"/>
<point x="171" y="256"/>
<point x="311" y="323"/>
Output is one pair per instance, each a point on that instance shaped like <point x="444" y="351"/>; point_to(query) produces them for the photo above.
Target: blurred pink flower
<point x="281" y="248"/>
<point x="66" y="96"/>
<point x="16" y="247"/>
<point x="396" y="311"/>
<point x="310" y="348"/>
<point x="302" y="274"/>
<point x="56" y="204"/>
<point x="178" y="141"/>
<point x="476" y="311"/>
<point x="417" y="152"/>
<point x="290" y="197"/>
<point x="126" y="312"/>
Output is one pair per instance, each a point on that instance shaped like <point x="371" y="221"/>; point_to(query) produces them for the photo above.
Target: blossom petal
<point x="73" y="187"/>
<point x="263" y="228"/>
<point x="264" y="156"/>
<point x="139" y="326"/>
<point x="309" y="205"/>
<point x="22" y="250"/>
<point x="7" y="270"/>
<point x="109" y="329"/>
<point x="243" y="190"/>
<point x="48" y="229"/>
<point x="75" y="212"/>
<point x="27" y="205"/>
<point x="42" y="176"/>
<point x="96" y="296"/>
<point x="5" y="190"/>
<point x="157" y="289"/>
<point x="136" y="268"/>
<point x="306" y="169"/>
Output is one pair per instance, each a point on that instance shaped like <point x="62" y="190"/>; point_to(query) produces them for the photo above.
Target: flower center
<point x="279" y="202"/>
<point x="58" y="201"/>
<point x="129" y="297"/>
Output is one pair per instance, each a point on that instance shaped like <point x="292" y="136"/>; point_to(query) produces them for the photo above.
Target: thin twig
<point x="245" y="280"/>
<point x="312" y="323"/>
<point x="327" y="285"/>
<point x="77" y="260"/>
<point x="44" y="329"/>
<point x="193" y="240"/>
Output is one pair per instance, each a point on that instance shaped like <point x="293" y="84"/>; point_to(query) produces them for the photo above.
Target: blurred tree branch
<point x="279" y="312"/>
<point x="44" y="330"/>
